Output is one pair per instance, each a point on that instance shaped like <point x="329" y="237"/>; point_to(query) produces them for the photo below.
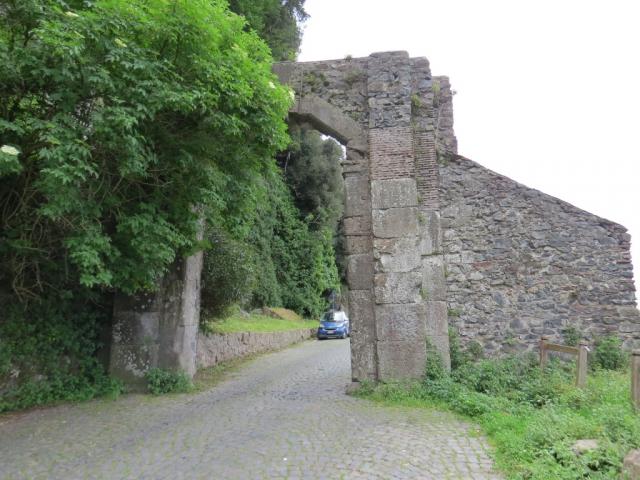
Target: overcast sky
<point x="548" y="91"/>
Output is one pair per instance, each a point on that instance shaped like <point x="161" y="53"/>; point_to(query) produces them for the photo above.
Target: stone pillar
<point x="359" y="245"/>
<point x="400" y="311"/>
<point x="425" y="104"/>
<point x="158" y="329"/>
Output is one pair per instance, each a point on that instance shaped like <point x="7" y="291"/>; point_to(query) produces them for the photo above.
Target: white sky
<point x="548" y="91"/>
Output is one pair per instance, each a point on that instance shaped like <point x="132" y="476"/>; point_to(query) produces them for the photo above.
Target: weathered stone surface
<point x="391" y="98"/>
<point x="357" y="226"/>
<point x="394" y="193"/>
<point x="360" y="271"/>
<point x="431" y="232"/>
<point x="631" y="466"/>
<point x="395" y="222"/>
<point x="397" y="254"/>
<point x="404" y="322"/>
<point x="330" y="119"/>
<point x="391" y="153"/>
<point x="159" y="329"/>
<point x="433" y="280"/>
<point x="361" y="313"/>
<point x="358" y="244"/>
<point x="357" y="197"/>
<point x="398" y="287"/>
<point x="520" y="263"/>
<point x="362" y="318"/>
<point x="436" y="318"/>
<point x="216" y="348"/>
<point x="399" y="360"/>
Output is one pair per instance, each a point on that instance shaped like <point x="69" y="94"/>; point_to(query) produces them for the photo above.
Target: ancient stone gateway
<point x="433" y="239"/>
<point x="386" y="109"/>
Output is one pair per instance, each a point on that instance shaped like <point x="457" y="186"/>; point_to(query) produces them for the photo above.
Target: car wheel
<point x="344" y="335"/>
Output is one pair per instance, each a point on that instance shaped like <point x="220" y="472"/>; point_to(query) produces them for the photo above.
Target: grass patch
<point x="531" y="418"/>
<point x="285" y="313"/>
<point x="255" y="323"/>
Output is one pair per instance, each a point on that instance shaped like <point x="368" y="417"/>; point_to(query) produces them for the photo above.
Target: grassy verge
<point x="533" y="419"/>
<point x="255" y="323"/>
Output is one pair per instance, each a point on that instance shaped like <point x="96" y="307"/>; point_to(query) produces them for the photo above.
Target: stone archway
<point x="382" y="108"/>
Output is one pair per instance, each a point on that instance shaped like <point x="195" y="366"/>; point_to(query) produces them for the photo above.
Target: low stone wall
<point x="217" y="348"/>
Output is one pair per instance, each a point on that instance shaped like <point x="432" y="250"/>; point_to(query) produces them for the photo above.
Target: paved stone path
<point x="284" y="415"/>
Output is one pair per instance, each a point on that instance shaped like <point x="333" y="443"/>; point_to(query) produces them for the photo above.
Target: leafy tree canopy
<point x="276" y="21"/>
<point x="313" y="171"/>
<point x="116" y="118"/>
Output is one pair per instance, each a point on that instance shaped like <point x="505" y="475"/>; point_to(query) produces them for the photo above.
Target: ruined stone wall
<point x="395" y="269"/>
<point x="520" y="263"/>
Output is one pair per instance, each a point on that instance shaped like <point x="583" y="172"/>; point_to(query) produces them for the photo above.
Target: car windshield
<point x="330" y="317"/>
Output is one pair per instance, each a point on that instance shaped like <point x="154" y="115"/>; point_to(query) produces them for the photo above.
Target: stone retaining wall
<point x="217" y="348"/>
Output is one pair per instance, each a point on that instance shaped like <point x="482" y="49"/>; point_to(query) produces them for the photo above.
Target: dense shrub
<point x="608" y="354"/>
<point x="160" y="381"/>
<point x="228" y="274"/>
<point x="47" y="353"/>
<point x="460" y="355"/>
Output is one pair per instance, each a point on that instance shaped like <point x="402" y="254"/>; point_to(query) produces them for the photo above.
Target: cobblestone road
<point x="284" y="415"/>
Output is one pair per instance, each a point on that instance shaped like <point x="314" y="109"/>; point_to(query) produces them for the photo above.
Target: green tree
<point x="313" y="171"/>
<point x="116" y="120"/>
<point x="117" y="117"/>
<point x="276" y="21"/>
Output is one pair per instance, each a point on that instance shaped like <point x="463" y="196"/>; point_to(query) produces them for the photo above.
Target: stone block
<point x="133" y="328"/>
<point x="130" y="363"/>
<point x="358" y="244"/>
<point x="357" y="197"/>
<point x="394" y="193"/>
<point x="404" y="322"/>
<point x="395" y="222"/>
<point x="397" y="254"/>
<point x="360" y="271"/>
<point x="400" y="360"/>
<point x="433" y="281"/>
<point x="357" y="226"/>
<point x="361" y="310"/>
<point x="631" y="466"/>
<point x="178" y="346"/>
<point x="363" y="360"/>
<point x="398" y="287"/>
<point x="436" y="318"/>
<point x="431" y="232"/>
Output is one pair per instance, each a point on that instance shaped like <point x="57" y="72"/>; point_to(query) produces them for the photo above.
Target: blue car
<point x="334" y="325"/>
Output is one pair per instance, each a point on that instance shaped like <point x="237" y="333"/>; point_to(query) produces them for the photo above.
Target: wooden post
<point x="635" y="379"/>
<point x="544" y="356"/>
<point x="581" y="364"/>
